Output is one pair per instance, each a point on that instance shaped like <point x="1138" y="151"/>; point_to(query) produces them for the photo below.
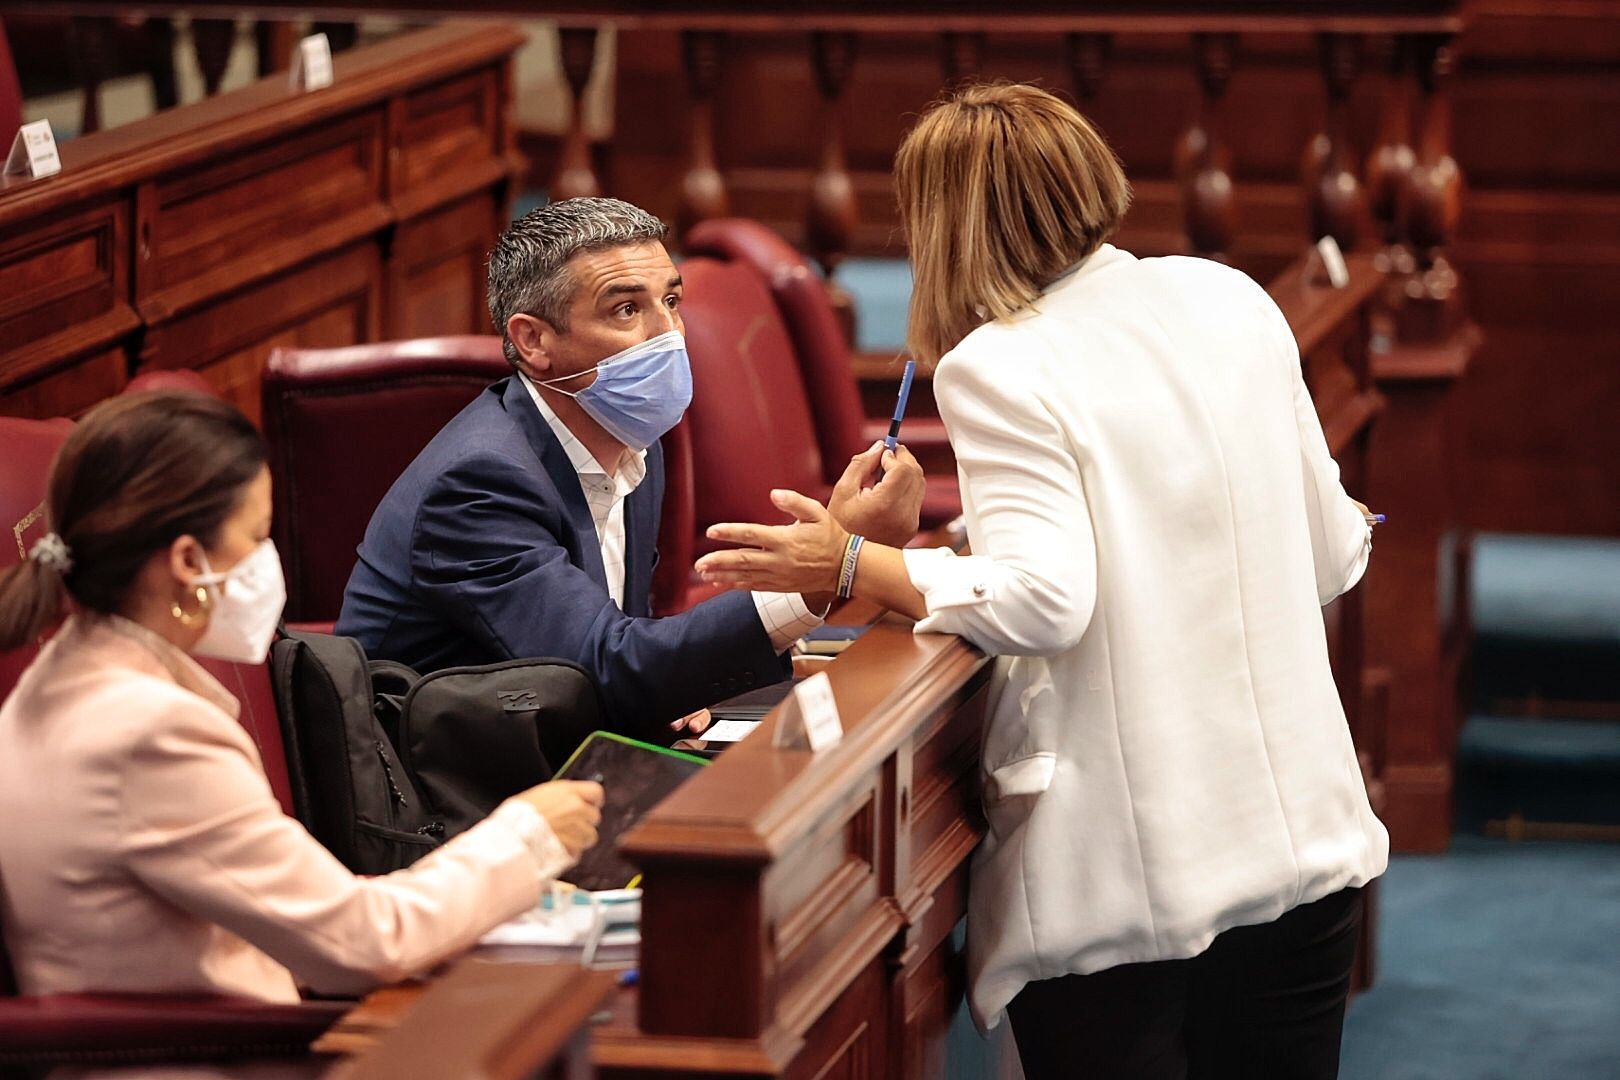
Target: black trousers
<point x="1262" y="1003"/>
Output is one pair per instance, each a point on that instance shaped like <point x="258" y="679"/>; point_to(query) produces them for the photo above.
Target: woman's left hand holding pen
<point x="880" y="495"/>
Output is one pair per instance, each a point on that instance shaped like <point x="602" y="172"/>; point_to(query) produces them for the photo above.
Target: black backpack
<point x="386" y="764"/>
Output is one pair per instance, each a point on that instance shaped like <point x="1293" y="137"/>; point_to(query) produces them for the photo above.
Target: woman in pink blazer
<point x="144" y="850"/>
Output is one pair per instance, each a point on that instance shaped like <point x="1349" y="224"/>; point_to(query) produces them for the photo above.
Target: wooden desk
<point x="797" y="908"/>
<point x="204" y="236"/>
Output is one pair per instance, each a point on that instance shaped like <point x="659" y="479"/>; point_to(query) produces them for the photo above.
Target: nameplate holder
<point x="1331" y="260"/>
<point x="810" y="719"/>
<point x="33" y="151"/>
<point x="312" y="64"/>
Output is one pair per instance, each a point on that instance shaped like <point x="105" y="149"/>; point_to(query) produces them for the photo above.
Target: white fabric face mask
<point x="248" y="600"/>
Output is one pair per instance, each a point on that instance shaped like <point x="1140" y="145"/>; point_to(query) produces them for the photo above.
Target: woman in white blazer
<point x="146" y="852"/>
<point x="1177" y="824"/>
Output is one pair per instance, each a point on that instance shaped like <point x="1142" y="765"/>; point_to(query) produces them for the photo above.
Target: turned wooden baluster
<point x="961" y="55"/>
<point x="833" y="213"/>
<point x="1333" y="195"/>
<point x="160" y="37"/>
<point x="576" y="177"/>
<point x="1390" y="161"/>
<point x="1088" y="59"/>
<point x="1433" y="194"/>
<point x="1202" y="160"/>
<point x="212" y="41"/>
<point x="703" y="189"/>
<point x="91" y="56"/>
<point x="339" y="35"/>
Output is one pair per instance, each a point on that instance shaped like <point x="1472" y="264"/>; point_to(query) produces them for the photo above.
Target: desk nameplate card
<point x="312" y="64"/>
<point x="33" y="151"/>
<point x="810" y="717"/>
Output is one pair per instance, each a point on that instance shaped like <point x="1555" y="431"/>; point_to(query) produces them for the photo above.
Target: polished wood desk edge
<point x="1314" y="309"/>
<point x="515" y="1017"/>
<point x="107" y="161"/>
<point x="754" y="801"/>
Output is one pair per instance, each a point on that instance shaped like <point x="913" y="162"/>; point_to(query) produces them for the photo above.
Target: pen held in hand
<point x="893" y="438"/>
<point x="1374" y="519"/>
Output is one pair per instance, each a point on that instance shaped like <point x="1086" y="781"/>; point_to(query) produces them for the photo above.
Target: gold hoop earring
<point x="190" y="619"/>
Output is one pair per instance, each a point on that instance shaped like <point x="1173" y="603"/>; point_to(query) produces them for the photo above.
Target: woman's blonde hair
<point x="1002" y="187"/>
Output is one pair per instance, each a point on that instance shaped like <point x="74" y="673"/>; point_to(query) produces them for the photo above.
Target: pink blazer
<point x="144" y="852"/>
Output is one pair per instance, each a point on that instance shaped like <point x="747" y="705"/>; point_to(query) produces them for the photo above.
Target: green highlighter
<point x="635" y="776"/>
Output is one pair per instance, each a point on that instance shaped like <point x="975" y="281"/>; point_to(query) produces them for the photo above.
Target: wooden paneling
<point x="205" y="236"/>
<point x="436" y="282"/>
<point x="64" y="294"/>
<point x="1538" y="245"/>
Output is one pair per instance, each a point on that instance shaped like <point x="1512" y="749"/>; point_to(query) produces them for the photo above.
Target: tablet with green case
<point x="635" y="776"/>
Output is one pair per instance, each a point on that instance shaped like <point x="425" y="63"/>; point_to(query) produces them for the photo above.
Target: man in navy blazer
<point x="528" y="526"/>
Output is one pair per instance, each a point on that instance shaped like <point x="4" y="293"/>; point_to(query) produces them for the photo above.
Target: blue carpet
<point x="1497" y="961"/>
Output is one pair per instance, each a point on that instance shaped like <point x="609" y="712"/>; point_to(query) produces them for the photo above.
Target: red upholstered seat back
<point x="815" y="337"/>
<point x="11" y="101"/>
<point x="251" y="685"/>
<point x="342" y="425"/>
<point x="750" y="419"/>
<point x="26" y="450"/>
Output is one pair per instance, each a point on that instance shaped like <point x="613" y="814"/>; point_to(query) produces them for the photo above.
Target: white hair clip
<point x="51" y="552"/>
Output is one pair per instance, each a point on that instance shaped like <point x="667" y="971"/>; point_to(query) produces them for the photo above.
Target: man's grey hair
<point x="528" y="270"/>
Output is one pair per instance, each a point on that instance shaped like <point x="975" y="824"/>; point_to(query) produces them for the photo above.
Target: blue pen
<point x="1374" y="519"/>
<point x="893" y="438"/>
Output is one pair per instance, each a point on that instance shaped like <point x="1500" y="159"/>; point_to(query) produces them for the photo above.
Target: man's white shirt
<point x="783" y="615"/>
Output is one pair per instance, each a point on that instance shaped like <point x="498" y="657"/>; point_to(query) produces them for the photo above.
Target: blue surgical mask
<point x="639" y="393"/>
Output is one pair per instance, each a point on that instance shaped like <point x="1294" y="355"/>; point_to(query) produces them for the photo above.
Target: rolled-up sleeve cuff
<point x="530" y="826"/>
<point x="948" y="581"/>
<point x="785" y="618"/>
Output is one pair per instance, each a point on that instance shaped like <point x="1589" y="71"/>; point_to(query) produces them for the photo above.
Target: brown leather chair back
<point x="342" y="425"/>
<point x="27" y="448"/>
<point x="751" y="423"/>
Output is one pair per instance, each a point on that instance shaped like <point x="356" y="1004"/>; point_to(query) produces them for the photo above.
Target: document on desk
<point x="729" y="731"/>
<point x="575" y="919"/>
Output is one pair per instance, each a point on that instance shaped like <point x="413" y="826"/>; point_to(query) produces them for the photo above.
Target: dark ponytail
<point x="137" y="473"/>
<point x="32" y="600"/>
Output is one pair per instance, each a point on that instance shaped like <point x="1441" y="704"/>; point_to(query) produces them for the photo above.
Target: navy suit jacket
<point x="484" y="550"/>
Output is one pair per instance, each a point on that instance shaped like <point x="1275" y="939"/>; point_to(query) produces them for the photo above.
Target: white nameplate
<point x="819" y="709"/>
<point x="33" y="151"/>
<point x="312" y="64"/>
<point x="1338" y="274"/>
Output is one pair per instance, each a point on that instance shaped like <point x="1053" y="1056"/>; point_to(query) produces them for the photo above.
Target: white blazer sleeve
<point x="1341" y="539"/>
<point x="202" y="830"/>
<point x="1030" y="585"/>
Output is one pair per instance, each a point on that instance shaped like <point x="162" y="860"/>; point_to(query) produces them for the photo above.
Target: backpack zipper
<point x="388" y="772"/>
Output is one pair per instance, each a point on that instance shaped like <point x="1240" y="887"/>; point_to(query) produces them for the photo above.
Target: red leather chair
<point x="750" y="421"/>
<point x="342" y="424"/>
<point x="816" y="345"/>
<point x="113" y="1028"/>
<point x="11" y="99"/>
